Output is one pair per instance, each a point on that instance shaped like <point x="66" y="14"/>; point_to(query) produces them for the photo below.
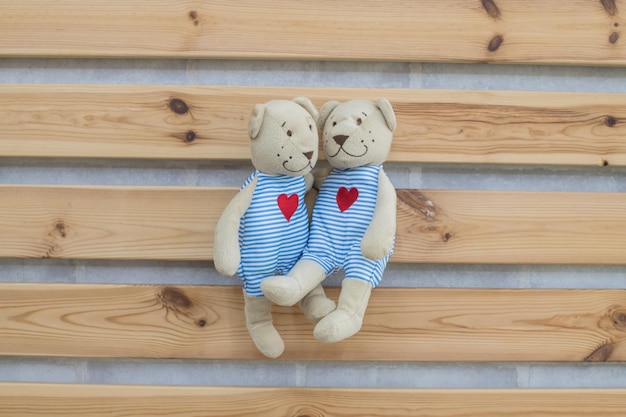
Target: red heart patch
<point x="288" y="205"/>
<point x="345" y="198"/>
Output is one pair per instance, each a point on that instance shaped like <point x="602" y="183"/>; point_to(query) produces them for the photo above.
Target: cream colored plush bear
<point x="354" y="218"/>
<point x="264" y="229"/>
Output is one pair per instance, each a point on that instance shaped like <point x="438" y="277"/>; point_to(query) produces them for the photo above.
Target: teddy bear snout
<point x="340" y="139"/>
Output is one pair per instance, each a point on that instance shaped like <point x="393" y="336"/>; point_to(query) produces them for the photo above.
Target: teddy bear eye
<point x="359" y="121"/>
<point x="334" y="123"/>
<point x="289" y="133"/>
<point x="311" y="128"/>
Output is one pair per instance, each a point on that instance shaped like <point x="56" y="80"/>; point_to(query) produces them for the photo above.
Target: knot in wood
<point x="495" y="43"/>
<point x="614" y="37"/>
<point x="601" y="354"/>
<point x="417" y="202"/>
<point x="178" y="106"/>
<point x="190" y="136"/>
<point x="619" y="319"/>
<point x="609" y="6"/>
<point x="60" y="228"/>
<point x="175" y="299"/>
<point x="193" y="15"/>
<point x="610" y="121"/>
<point x="491" y="8"/>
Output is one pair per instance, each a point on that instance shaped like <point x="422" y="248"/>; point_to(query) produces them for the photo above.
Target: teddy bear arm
<point x="308" y="181"/>
<point x="226" y="252"/>
<point x="379" y="236"/>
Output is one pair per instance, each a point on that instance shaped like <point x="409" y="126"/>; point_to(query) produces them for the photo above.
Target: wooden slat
<point x="511" y="227"/>
<point x="110" y="222"/>
<point x="434" y="226"/>
<point x="84" y="320"/>
<point x="402" y="324"/>
<point x="39" y="400"/>
<point x="533" y="31"/>
<point x="92" y="121"/>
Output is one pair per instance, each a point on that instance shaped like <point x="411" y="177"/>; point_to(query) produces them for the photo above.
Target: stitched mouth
<point x="348" y="153"/>
<point x="308" y="164"/>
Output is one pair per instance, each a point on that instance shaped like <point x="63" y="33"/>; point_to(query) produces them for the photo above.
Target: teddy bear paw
<point x="267" y="340"/>
<point x="316" y="307"/>
<point x="338" y="325"/>
<point x="282" y="290"/>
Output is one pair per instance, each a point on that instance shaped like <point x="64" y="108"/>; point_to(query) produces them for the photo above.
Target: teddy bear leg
<point x="347" y="319"/>
<point x="287" y="290"/>
<point x="316" y="305"/>
<point x="258" y="312"/>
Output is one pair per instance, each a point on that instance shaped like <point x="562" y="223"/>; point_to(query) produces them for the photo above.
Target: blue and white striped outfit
<point x="340" y="218"/>
<point x="274" y="230"/>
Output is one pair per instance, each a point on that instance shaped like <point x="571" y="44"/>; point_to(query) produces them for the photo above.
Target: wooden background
<point x="122" y="137"/>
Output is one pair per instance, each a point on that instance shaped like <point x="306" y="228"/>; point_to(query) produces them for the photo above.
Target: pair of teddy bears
<point x="264" y="236"/>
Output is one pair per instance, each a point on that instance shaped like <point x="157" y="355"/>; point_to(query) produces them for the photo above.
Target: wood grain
<point x="110" y="222"/>
<point x="401" y="324"/>
<point x="498" y="31"/>
<point x="443" y="126"/>
<point x="465" y="226"/>
<point x="434" y="226"/>
<point x="39" y="400"/>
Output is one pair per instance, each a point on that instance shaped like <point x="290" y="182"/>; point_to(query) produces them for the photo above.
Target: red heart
<point x="288" y="205"/>
<point x="345" y="198"/>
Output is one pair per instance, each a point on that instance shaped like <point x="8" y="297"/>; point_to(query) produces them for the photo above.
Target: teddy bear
<point x="265" y="227"/>
<point x="354" y="217"/>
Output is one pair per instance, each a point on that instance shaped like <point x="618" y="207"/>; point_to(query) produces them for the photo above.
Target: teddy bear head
<point x="283" y="136"/>
<point x="357" y="132"/>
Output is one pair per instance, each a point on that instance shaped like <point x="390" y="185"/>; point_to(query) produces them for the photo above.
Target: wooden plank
<point x="401" y="324"/>
<point x="511" y="227"/>
<point x="39" y="400"/>
<point x="178" y="122"/>
<point x="499" y="31"/>
<point x="434" y="226"/>
<point x="110" y="222"/>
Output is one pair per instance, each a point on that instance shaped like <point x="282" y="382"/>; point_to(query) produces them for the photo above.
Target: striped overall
<point x="342" y="213"/>
<point x="274" y="229"/>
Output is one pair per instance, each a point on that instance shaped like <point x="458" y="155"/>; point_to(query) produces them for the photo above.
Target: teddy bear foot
<point x="347" y="319"/>
<point x="287" y="290"/>
<point x="258" y="312"/>
<point x="315" y="305"/>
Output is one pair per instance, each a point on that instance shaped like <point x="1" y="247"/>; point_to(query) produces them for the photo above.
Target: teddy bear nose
<point x="340" y="139"/>
<point x="308" y="155"/>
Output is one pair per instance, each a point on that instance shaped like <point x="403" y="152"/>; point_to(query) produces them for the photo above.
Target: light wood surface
<point x="511" y="227"/>
<point x="110" y="222"/>
<point x="401" y="324"/>
<point x="435" y="226"/>
<point x="438" y="226"/>
<point x="499" y="31"/>
<point x="199" y="122"/>
<point x="39" y="400"/>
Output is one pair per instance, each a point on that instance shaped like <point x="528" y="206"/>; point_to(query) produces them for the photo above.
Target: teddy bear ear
<point x="256" y="120"/>
<point x="308" y="106"/>
<point x="390" y="117"/>
<point x="325" y="111"/>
